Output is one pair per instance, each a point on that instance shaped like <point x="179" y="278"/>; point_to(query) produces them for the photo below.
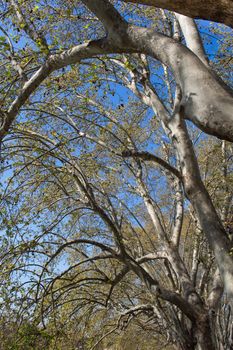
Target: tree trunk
<point x="201" y="201"/>
<point x="203" y="335"/>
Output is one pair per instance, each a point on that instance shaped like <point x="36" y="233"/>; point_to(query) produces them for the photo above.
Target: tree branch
<point x="54" y="62"/>
<point x="192" y="37"/>
<point x="107" y="14"/>
<point x="152" y="158"/>
<point x="217" y="11"/>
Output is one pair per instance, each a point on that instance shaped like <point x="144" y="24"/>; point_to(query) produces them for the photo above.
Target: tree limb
<point x="217" y="11"/>
<point x="152" y="158"/>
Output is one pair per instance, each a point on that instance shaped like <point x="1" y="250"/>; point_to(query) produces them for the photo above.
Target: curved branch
<point x="107" y="14"/>
<point x="206" y="100"/>
<point x="54" y="62"/>
<point x="152" y="158"/>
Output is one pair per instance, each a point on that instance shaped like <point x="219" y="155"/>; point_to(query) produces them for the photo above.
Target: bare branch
<point x="107" y="14"/>
<point x="192" y="37"/>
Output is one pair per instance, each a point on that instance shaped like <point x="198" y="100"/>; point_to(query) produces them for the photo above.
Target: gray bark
<point x="206" y="101"/>
<point x="202" y="204"/>
<point x="192" y="37"/>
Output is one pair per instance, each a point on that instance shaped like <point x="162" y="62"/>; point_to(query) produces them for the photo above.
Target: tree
<point x="73" y="154"/>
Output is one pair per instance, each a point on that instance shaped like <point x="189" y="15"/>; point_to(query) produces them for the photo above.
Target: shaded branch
<point x="217" y="11"/>
<point x="152" y="158"/>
